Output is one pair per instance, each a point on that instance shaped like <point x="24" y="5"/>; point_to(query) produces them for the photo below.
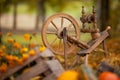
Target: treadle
<point x="97" y="42"/>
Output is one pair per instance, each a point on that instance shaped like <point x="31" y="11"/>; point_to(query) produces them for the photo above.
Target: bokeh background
<point x="30" y="14"/>
<point x="27" y="16"/>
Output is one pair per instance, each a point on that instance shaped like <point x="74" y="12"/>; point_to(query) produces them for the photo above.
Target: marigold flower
<point x="3" y="67"/>
<point x="10" y="40"/>
<point x="3" y="47"/>
<point x="15" y="58"/>
<point x="2" y="53"/>
<point x="69" y="75"/>
<point x="31" y="52"/>
<point x="32" y="45"/>
<point x="20" y="61"/>
<point x="23" y="50"/>
<point x="12" y="63"/>
<point x="9" y="34"/>
<point x="27" y="36"/>
<point x="16" y="45"/>
<point x="42" y="48"/>
<point x="9" y="57"/>
<point x="25" y="57"/>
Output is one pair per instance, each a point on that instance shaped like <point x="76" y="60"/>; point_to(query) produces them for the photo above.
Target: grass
<point x="20" y="38"/>
<point x="38" y="40"/>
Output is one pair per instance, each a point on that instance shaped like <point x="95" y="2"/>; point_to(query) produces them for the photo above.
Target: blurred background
<point x="22" y="16"/>
<point x="30" y="14"/>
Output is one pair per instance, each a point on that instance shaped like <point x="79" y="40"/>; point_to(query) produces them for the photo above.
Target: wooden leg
<point x="86" y="59"/>
<point x="105" y="48"/>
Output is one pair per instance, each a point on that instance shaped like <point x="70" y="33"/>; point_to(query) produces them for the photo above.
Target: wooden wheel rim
<point x="49" y="21"/>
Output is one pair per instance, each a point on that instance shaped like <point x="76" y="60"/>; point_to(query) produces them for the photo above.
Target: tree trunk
<point x="103" y="13"/>
<point x="40" y="13"/>
<point x="15" y="5"/>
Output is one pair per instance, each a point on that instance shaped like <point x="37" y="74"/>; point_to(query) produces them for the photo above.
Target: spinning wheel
<point x="61" y="34"/>
<point x="52" y="32"/>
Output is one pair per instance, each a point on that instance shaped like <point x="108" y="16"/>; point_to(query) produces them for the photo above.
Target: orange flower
<point x="9" y="34"/>
<point x="32" y="45"/>
<point x="16" y="45"/>
<point x="9" y="57"/>
<point x="69" y="75"/>
<point x="10" y="40"/>
<point x="3" y="47"/>
<point x="15" y="58"/>
<point x="25" y="57"/>
<point x="3" y="67"/>
<point x="20" y="61"/>
<point x="2" y="53"/>
<point x="12" y="64"/>
<point x="31" y="52"/>
<point x="27" y="37"/>
<point x="23" y="50"/>
<point x="108" y="76"/>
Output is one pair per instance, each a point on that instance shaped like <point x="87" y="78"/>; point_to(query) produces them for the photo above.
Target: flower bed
<point x="12" y="53"/>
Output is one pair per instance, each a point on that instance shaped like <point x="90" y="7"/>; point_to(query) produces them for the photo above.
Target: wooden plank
<point x="47" y="53"/>
<point x="34" y="71"/>
<point x="13" y="70"/>
<point x="50" y="77"/>
<point x="104" y="35"/>
<point x="55" y="67"/>
<point x="48" y="72"/>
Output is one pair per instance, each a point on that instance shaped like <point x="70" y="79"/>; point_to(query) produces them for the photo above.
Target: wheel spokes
<point x="60" y="42"/>
<point x="69" y="26"/>
<point x="52" y="33"/>
<point x="53" y="41"/>
<point x="62" y="22"/>
<point x="48" y="32"/>
<point x="54" y="25"/>
<point x="69" y="44"/>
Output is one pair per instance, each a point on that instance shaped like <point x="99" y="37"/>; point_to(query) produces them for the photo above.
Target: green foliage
<point x="114" y="20"/>
<point x="4" y="6"/>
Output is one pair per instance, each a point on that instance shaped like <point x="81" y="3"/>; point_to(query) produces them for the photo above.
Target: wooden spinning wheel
<point x="52" y="34"/>
<point x="61" y="34"/>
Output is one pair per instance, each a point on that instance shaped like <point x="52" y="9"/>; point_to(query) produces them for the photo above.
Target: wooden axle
<point x="77" y="42"/>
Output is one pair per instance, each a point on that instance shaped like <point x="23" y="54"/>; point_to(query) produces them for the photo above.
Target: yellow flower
<point x="23" y="50"/>
<point x="25" y="57"/>
<point x="20" y="61"/>
<point x="69" y="75"/>
<point x="3" y="47"/>
<point x="9" y="34"/>
<point x="15" y="58"/>
<point x="31" y="52"/>
<point x="27" y="36"/>
<point x="10" y="40"/>
<point x="2" y="53"/>
<point x="42" y="48"/>
<point x="16" y="45"/>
